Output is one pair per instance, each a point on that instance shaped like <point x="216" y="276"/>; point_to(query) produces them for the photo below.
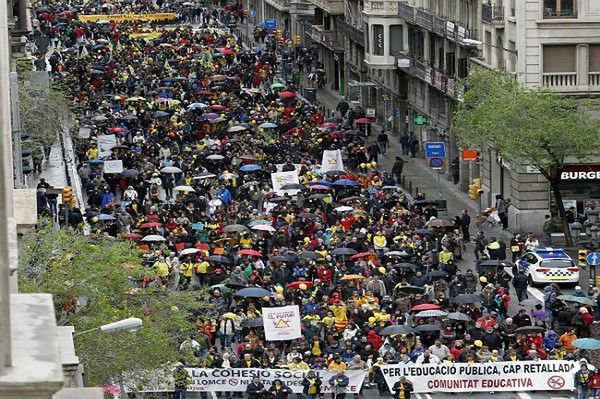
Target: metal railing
<point x="425" y="19"/>
<point x="491" y="13"/>
<point x="406" y="11"/>
<point x="332" y="7"/>
<point x="381" y="7"/>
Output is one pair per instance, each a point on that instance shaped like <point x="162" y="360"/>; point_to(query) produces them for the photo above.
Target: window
<point x="559" y="59"/>
<point x="594" y="52"/>
<point x="450" y="64"/>
<point x="396" y="39"/>
<point x="560" y="8"/>
<point x="378" y="40"/>
<point x="513" y="7"/>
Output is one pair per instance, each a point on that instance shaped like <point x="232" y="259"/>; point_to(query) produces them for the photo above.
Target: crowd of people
<point x="200" y="124"/>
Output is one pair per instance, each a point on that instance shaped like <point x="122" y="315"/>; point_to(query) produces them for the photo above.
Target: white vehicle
<point x="549" y="265"/>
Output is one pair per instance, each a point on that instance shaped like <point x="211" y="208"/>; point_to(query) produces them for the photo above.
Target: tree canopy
<point x="93" y="282"/>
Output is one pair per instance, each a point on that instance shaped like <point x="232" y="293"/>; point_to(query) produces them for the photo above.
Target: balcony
<point x="388" y="8"/>
<point x="493" y="14"/>
<point x="439" y="25"/>
<point x="280" y="5"/>
<point x="406" y="12"/>
<point x="327" y="38"/>
<point x="302" y="8"/>
<point x="559" y="80"/>
<point x="352" y="32"/>
<point x="594" y="78"/>
<point x="425" y="19"/>
<point x="331" y="7"/>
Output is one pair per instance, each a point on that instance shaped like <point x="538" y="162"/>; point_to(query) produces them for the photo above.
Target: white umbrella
<point x="396" y="253"/>
<point x="171" y="169"/>
<point x="154" y="237"/>
<point x="215" y="157"/>
<point x="344" y="208"/>
<point x="237" y="128"/>
<point x="189" y="251"/>
<point x="431" y="313"/>
<point x="185" y="189"/>
<point x="229" y="176"/>
<point x="263" y="227"/>
<point x="205" y="175"/>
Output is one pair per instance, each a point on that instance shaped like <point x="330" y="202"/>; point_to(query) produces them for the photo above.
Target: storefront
<point x="580" y="187"/>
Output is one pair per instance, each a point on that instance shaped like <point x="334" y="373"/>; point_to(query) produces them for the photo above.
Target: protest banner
<point x="546" y="375"/>
<point x="237" y="380"/>
<point x="105" y="144"/>
<point x="332" y="160"/>
<point x="280" y="179"/>
<point x="127" y="17"/>
<point x="282" y="323"/>
<point x="115" y="166"/>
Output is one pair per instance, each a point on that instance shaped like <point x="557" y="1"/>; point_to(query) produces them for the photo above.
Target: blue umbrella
<point x="210" y="116"/>
<point x="197" y="106"/>
<point x="94" y="161"/>
<point x="267" y="125"/>
<point x="258" y="49"/>
<point x="198" y="226"/>
<point x="320" y="182"/>
<point x="253" y="292"/>
<point x="160" y="114"/>
<point x="345" y="182"/>
<point x="250" y="168"/>
<point x="586" y="343"/>
<point x="104" y="216"/>
<point x="258" y="222"/>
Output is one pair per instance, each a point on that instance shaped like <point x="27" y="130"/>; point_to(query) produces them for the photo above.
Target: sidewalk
<point x="53" y="170"/>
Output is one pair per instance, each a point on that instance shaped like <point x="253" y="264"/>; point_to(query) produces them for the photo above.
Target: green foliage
<point x="538" y="125"/>
<point x="90" y="279"/>
<point x="44" y="113"/>
<point x="24" y="68"/>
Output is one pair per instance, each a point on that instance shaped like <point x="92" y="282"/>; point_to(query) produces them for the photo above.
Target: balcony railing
<point x="594" y="78"/>
<point x="351" y="31"/>
<point x="425" y="19"/>
<point x="492" y="13"/>
<point x="332" y="7"/>
<point x="281" y="5"/>
<point x="563" y="13"/>
<point x="326" y="37"/>
<point x="406" y="11"/>
<point x="559" y="79"/>
<point x="439" y="25"/>
<point x="381" y="7"/>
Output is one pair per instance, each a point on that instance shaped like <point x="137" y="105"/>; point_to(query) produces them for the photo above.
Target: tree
<point x="538" y="126"/>
<point x="93" y="283"/>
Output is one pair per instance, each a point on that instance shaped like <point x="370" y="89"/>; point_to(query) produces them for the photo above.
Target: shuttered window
<point x="559" y="59"/>
<point x="594" y="52"/>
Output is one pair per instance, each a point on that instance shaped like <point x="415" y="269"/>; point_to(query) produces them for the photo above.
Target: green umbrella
<point x="224" y="289"/>
<point x="277" y="86"/>
<point x="579" y="299"/>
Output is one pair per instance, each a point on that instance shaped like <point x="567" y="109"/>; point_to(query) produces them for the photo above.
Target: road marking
<point x="524" y="395"/>
<point x="539" y="295"/>
<point x="428" y="396"/>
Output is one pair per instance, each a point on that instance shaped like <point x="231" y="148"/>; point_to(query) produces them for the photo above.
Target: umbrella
<point x="296" y="284"/>
<point x="292" y="186"/>
<point x="160" y="114"/>
<point x="189" y="251"/>
<point x="264" y="227"/>
<point x="277" y="86"/>
<point x="171" y="169"/>
<point x="431" y="313"/>
<point x="530" y="330"/>
<point x="436" y="274"/>
<point x="404" y="265"/>
<point x="104" y="216"/>
<point x="218" y="78"/>
<point x="579" y="299"/>
<point x="317" y="196"/>
<point x="215" y="157"/>
<point x="425" y="306"/>
<point x="204" y="175"/>
<point x="259" y="221"/>
<point x="343" y="251"/>
<point x="154" y="237"/>
<point x="129" y="117"/>
<point x="280" y="258"/>
<point x="248" y="157"/>
<point x="428" y="327"/>
<point x="362" y="255"/>
<point x="287" y="94"/>
<point x="234" y="228"/>
<point x="441" y="223"/>
<point x="198" y="226"/>
<point x="586" y="343"/>
<point x="464" y="299"/>
<point x="253" y="323"/>
<point x="219" y="259"/>
<point x="279" y="199"/>
<point x="345" y="182"/>
<point x="237" y="128"/>
<point x="309" y="215"/>
<point x="496" y="263"/>
<point x="344" y="208"/>
<point x="197" y="106"/>
<point x="267" y="125"/>
<point x="459" y="316"/>
<point x="132" y="236"/>
<point x="234" y="285"/>
<point x="310" y="255"/>
<point x="411" y="289"/>
<point x="223" y="287"/>
<point x="400" y="254"/>
<point x="250" y="168"/>
<point x="349" y="277"/>
<point x="320" y="183"/>
<point x="253" y="292"/>
<point x="229" y="176"/>
<point x="321" y="187"/>
<point x="422" y="232"/>
<point x="328" y="125"/>
<point x="334" y="172"/>
<point x="397" y="329"/>
<point x="249" y="252"/>
<point x="185" y="189"/>
<point x="363" y="120"/>
<point x="150" y="225"/>
<point x="529" y="302"/>
<point x="210" y="116"/>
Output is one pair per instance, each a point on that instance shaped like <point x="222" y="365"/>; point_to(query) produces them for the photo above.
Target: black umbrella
<point x="310" y="255"/>
<point x="292" y="186"/>
<point x="310" y="216"/>
<point x="234" y="285"/>
<point x="422" y="232"/>
<point x="404" y="266"/>
<point x="398" y="329"/>
<point x="530" y="329"/>
<point x="334" y="172"/>
<point x="464" y="299"/>
<point x="390" y="204"/>
<point x="129" y="117"/>
<point x="459" y="316"/>
<point x="428" y="327"/>
<point x="317" y="196"/>
<point x="279" y="199"/>
<point x="410" y="289"/>
<point x="436" y="274"/>
<point x="219" y="259"/>
<point x="496" y="263"/>
<point x="343" y="251"/>
<point x="250" y="323"/>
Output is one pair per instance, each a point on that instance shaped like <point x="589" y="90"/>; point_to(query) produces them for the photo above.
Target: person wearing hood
<point x="375" y="340"/>
<point x="550" y="340"/>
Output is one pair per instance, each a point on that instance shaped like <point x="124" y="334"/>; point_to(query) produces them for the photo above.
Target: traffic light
<point x="67" y="197"/>
<point x="245" y="12"/>
<point x="582" y="258"/>
<point x="296" y="39"/>
<point x="475" y="189"/>
<point x="276" y="33"/>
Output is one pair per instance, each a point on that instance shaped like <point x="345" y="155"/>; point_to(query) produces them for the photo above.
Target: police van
<point x="548" y="265"/>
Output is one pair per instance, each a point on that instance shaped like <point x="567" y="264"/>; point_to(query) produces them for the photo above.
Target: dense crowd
<point x="200" y="122"/>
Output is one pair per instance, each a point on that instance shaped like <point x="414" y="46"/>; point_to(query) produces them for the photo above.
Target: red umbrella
<point x="287" y="94"/>
<point x="296" y="284"/>
<point x="362" y="255"/>
<point x="328" y="125"/>
<point x="117" y="130"/>
<point x="425" y="306"/>
<point x="227" y="51"/>
<point x="133" y="236"/>
<point x="363" y="120"/>
<point x="250" y="252"/>
<point x="217" y="107"/>
<point x="150" y="225"/>
<point x="206" y="93"/>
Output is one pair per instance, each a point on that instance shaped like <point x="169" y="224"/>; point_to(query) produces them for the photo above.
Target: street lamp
<point x="132" y="324"/>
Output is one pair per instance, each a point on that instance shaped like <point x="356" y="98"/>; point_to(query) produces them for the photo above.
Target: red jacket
<point x="594" y="381"/>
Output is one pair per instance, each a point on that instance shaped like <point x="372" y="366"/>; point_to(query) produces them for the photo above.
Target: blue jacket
<point x="550" y="340"/>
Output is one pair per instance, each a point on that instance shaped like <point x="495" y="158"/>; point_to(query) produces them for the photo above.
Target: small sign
<point x="252" y="13"/>
<point x="435" y="149"/>
<point x="84" y="132"/>
<point x="420" y="120"/>
<point x="370" y="113"/>
<point x="469" y="155"/>
<point x="270" y="24"/>
<point x="593" y="258"/>
<point x="436" y="163"/>
<point x="403" y="62"/>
